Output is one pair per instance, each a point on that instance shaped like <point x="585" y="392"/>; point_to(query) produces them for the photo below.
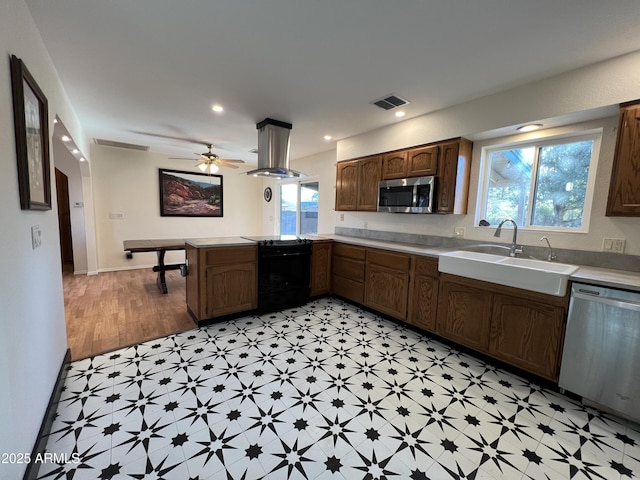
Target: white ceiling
<point x="144" y="71"/>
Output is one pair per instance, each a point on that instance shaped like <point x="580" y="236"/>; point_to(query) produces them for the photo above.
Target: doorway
<point x="64" y="222"/>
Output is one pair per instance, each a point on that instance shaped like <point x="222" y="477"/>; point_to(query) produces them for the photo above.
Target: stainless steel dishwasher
<point x="601" y="355"/>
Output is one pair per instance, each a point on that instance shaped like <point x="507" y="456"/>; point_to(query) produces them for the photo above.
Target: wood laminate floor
<point x="116" y="309"/>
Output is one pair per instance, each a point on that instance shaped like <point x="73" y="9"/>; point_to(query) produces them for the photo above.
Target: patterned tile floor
<point x="326" y="391"/>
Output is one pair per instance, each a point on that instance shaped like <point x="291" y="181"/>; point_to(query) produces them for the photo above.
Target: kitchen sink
<point x="528" y="274"/>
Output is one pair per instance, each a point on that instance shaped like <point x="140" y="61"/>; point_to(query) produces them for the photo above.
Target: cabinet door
<point x="369" y="175"/>
<point x="230" y="289"/>
<point x="320" y="268"/>
<point x="423" y="302"/>
<point x="454" y="168"/>
<point x="464" y="313"/>
<point x="527" y="334"/>
<point x="347" y="185"/>
<point x="422" y="161"/>
<point x="386" y="290"/>
<point x="394" y="165"/>
<point x="624" y="190"/>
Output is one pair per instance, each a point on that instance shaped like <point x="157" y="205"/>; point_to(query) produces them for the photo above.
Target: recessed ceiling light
<point x="327" y="137"/>
<point x="399" y="114"/>
<point x="64" y="138"/>
<point x="530" y="127"/>
<point x="82" y="159"/>
<point x="217" y="108"/>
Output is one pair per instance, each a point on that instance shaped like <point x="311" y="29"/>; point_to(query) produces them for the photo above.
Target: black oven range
<point x="284" y="272"/>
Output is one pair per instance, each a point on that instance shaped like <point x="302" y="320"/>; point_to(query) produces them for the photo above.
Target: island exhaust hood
<point x="273" y="150"/>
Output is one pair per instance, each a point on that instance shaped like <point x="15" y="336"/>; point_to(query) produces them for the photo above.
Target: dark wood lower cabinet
<point x="464" y="314"/>
<point x="527" y="334"/>
<point x="423" y="293"/>
<point x="320" y="268"/>
<point x="221" y="281"/>
<point x="519" y="327"/>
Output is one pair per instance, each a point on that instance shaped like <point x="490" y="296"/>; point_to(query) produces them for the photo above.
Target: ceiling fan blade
<point x="231" y="160"/>
<point x="183" y="139"/>
<point x="230" y="165"/>
<point x="182" y="158"/>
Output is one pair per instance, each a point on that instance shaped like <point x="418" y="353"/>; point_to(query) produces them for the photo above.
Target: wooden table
<point x="160" y="247"/>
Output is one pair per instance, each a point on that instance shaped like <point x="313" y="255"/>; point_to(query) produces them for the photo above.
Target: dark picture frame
<point x="190" y="194"/>
<point x="31" y="124"/>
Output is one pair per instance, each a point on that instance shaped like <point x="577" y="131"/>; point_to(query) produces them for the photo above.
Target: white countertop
<point x="218" y="242"/>
<point x="594" y="275"/>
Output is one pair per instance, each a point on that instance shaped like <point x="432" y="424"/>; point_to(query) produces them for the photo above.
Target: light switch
<point x="36" y="237"/>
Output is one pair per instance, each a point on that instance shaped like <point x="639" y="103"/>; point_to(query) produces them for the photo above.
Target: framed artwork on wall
<point x="190" y="194"/>
<point x="30" y="118"/>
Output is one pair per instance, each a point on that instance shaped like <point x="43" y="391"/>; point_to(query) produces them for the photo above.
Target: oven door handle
<point x="280" y="255"/>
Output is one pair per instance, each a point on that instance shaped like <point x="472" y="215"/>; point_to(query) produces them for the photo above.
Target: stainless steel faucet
<point x="552" y="256"/>
<point x="514" y="250"/>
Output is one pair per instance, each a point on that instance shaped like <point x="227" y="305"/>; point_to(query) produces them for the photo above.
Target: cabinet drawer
<point x="397" y="261"/>
<point x="348" y="288"/>
<point x="230" y="255"/>
<point x="349" y="251"/>
<point x="426" y="266"/>
<point x="348" y="268"/>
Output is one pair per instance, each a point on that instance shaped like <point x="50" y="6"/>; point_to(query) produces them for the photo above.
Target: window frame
<point x="299" y="182"/>
<point x="539" y="141"/>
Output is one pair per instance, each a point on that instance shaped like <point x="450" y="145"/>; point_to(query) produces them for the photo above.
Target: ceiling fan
<point x="209" y="161"/>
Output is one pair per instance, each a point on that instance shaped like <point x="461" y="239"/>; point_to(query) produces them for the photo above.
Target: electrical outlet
<point x="342" y="217"/>
<point x="459" y="232"/>
<point x="36" y="237"/>
<point x="116" y="216"/>
<point x="614" y="245"/>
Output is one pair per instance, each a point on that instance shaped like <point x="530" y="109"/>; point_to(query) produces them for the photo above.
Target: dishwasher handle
<point x="614" y="302"/>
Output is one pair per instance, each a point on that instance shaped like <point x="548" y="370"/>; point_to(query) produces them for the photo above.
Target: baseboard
<point x="47" y="421"/>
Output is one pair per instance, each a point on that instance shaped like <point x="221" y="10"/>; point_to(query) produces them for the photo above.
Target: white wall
<point x="320" y="167"/>
<point x="33" y="338"/>
<point x="126" y="181"/>
<point x="586" y="90"/>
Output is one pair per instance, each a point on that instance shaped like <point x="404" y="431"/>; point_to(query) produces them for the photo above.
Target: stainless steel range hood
<point x="273" y="150"/>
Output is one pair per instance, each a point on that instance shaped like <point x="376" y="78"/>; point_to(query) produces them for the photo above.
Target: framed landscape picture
<point x="190" y="194"/>
<point x="30" y="117"/>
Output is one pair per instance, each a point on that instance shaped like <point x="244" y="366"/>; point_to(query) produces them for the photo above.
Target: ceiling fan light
<point x="213" y="168"/>
<point x="202" y="166"/>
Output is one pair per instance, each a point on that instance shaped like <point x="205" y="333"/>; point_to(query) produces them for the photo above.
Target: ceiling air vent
<point x="130" y="146"/>
<point x="390" y="102"/>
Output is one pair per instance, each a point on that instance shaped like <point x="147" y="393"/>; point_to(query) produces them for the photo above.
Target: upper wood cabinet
<point x="624" y="190"/>
<point x="357" y="181"/>
<point x="357" y="184"/>
<point x="415" y="162"/>
<point x="394" y="165"/>
<point x="422" y="161"/>
<point x="454" y="168"/>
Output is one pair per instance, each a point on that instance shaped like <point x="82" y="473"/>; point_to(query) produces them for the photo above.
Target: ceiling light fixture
<point x="400" y="114"/>
<point x="64" y="138"/>
<point x="529" y="127"/>
<point x="82" y="159"/>
<point x="75" y="150"/>
<point x="217" y="108"/>
<point x="327" y="137"/>
<point x="208" y="167"/>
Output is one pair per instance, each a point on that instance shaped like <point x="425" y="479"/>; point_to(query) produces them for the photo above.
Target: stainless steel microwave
<point x="407" y="195"/>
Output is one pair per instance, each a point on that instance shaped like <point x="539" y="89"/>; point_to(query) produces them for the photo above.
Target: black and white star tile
<point x="325" y="391"/>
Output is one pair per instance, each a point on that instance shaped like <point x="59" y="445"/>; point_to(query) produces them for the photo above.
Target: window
<point x="545" y="184"/>
<point x="299" y="208"/>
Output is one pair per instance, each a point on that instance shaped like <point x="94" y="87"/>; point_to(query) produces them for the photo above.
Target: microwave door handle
<point x="414" y="200"/>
